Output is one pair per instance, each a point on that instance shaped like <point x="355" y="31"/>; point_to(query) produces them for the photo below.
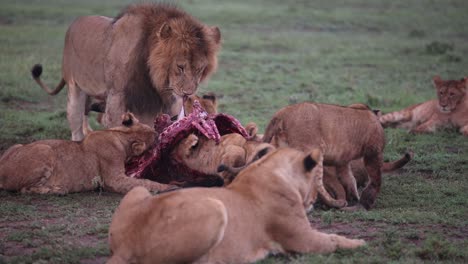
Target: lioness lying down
<point x="342" y="133"/>
<point x="62" y="166"/>
<point x="262" y="211"/>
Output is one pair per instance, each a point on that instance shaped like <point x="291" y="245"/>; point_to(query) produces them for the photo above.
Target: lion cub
<point x="236" y="224"/>
<point x="62" y="166"/>
<point x="343" y="134"/>
<point x="204" y="155"/>
<point x="450" y="109"/>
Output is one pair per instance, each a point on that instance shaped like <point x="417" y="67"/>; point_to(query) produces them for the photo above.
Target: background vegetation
<point x="383" y="53"/>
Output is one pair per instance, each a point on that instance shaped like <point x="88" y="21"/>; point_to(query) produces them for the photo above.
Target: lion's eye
<point x="181" y="68"/>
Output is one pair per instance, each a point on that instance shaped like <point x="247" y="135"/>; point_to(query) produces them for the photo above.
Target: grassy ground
<point x="383" y="53"/>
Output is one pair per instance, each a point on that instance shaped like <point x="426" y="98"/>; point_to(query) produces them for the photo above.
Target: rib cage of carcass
<point x="157" y="165"/>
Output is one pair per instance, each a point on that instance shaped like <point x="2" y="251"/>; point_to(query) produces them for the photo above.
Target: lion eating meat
<point x="205" y="155"/>
<point x="62" y="166"/>
<point x="146" y="60"/>
<point x="207" y="101"/>
<point x="189" y="151"/>
<point x="342" y="133"/>
<point x="262" y="211"/>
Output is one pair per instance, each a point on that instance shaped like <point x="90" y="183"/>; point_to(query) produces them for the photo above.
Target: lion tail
<point x="316" y="160"/>
<point x="394" y="165"/>
<point x="36" y="72"/>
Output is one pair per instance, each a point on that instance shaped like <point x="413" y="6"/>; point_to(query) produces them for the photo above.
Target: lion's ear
<point x="465" y="79"/>
<point x="437" y="81"/>
<point x="138" y="148"/>
<point x="215" y="34"/>
<point x="128" y="119"/>
<point x="193" y="141"/>
<point x="312" y="159"/>
<point x="165" y="31"/>
<point x="252" y="129"/>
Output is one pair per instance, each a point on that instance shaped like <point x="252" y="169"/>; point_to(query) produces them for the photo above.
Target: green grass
<point x="383" y="53"/>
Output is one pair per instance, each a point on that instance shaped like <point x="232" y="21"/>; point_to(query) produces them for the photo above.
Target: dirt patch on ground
<point x="55" y="229"/>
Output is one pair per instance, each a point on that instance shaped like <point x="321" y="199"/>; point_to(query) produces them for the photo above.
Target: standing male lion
<point x="145" y="60"/>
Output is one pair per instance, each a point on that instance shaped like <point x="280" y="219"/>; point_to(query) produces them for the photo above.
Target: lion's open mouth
<point x="158" y="165"/>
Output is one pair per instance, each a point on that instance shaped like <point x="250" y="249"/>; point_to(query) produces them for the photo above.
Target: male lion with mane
<point x="63" y="166"/>
<point x="146" y="60"/>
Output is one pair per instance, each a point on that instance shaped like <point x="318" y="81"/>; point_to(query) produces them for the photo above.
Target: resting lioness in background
<point x="62" y="166"/>
<point x="342" y="133"/>
<point x="262" y="211"/>
<point x="450" y="109"/>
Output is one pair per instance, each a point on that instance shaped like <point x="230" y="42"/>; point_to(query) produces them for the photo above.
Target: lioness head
<point x="138" y="135"/>
<point x="291" y="168"/>
<point x="450" y="93"/>
<point x="183" y="54"/>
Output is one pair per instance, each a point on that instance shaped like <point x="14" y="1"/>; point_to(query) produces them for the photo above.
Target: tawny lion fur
<point x="336" y="189"/>
<point x="236" y="224"/>
<point x="145" y="60"/>
<point x="204" y="155"/>
<point x="450" y="109"/>
<point x="62" y="166"/>
<point x="342" y="133"/>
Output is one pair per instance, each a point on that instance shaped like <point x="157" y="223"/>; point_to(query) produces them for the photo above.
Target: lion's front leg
<point x="121" y="183"/>
<point x="75" y="110"/>
<point x="115" y="108"/>
<point x="301" y="238"/>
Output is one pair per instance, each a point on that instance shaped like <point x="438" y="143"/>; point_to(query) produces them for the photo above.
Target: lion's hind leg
<point x="27" y="168"/>
<point x="429" y="126"/>
<point x="172" y="228"/>
<point x="76" y="107"/>
<point x="196" y="228"/>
